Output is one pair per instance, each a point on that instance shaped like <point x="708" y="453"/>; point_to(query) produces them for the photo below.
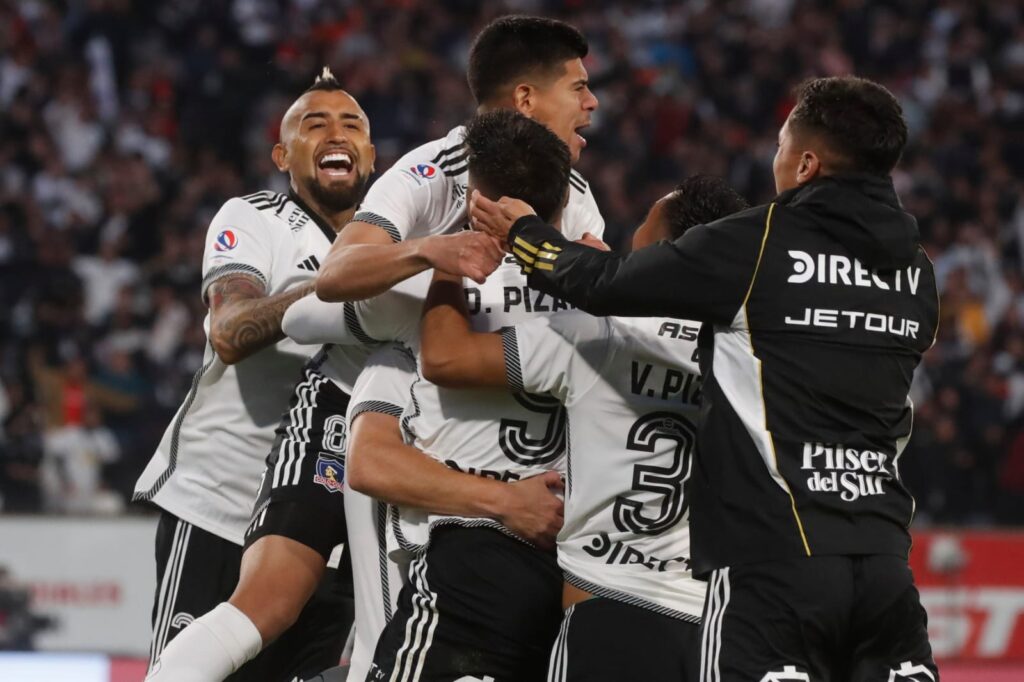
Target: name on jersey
<point x="825" y="268"/>
<point x="664" y="383"/>
<point x="851" y="473"/>
<point x="517" y="297"/>
<point x="618" y="552"/>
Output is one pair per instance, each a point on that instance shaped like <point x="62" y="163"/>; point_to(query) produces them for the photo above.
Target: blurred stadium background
<point x="124" y="126"/>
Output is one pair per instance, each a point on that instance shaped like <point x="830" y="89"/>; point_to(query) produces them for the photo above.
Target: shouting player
<point x="631" y="388"/>
<point x="262" y="253"/>
<point x="822" y="303"/>
<point x="532" y="65"/>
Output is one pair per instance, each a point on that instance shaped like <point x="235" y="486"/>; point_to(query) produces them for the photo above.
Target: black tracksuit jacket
<point x="816" y="310"/>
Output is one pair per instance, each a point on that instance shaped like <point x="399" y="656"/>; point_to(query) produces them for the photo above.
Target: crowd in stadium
<point x="124" y="126"/>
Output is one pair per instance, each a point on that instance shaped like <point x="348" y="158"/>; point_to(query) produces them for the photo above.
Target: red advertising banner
<point x="972" y="585"/>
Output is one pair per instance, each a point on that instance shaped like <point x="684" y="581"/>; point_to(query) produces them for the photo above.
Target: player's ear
<point x="524" y="99"/>
<point x="809" y="167"/>
<point x="280" y="156"/>
<point x="373" y="158"/>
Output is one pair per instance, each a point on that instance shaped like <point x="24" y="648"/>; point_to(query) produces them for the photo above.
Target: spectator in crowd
<point x="123" y="126"/>
<point x="71" y="471"/>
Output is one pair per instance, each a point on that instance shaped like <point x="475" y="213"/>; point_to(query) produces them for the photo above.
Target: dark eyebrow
<point x="323" y="114"/>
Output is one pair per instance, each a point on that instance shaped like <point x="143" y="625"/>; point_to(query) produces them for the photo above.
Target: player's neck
<point x="336" y="219"/>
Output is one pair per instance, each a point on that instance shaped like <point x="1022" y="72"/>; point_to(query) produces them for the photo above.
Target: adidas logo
<point x="311" y="264"/>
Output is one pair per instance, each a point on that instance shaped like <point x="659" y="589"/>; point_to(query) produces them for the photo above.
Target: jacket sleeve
<point x="704" y="275"/>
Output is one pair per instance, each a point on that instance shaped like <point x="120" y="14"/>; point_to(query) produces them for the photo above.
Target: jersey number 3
<point x="665" y="482"/>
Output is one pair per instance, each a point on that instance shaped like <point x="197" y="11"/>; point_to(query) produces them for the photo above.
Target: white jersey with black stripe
<point x="631" y="388"/>
<point x="424" y="193"/>
<point x="383" y="388"/>
<point x="207" y="467"/>
<point x="493" y="433"/>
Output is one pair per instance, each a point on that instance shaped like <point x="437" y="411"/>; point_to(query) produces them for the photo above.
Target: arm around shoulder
<point x="703" y="275"/>
<point x="451" y="353"/>
<point x="243" y="319"/>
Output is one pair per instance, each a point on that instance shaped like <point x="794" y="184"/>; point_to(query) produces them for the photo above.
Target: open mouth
<point x="336" y="165"/>
<point x="582" y="140"/>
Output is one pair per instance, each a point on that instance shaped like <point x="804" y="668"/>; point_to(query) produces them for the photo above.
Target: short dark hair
<point x="514" y="46"/>
<point x="859" y="120"/>
<point x="325" y="81"/>
<point x="512" y="155"/>
<point x="699" y="200"/>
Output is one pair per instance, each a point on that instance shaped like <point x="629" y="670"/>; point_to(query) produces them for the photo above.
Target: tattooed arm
<point x="243" y="319"/>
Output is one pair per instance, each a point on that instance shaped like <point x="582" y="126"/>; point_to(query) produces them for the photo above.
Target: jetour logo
<point x="226" y="241"/>
<point x="424" y="170"/>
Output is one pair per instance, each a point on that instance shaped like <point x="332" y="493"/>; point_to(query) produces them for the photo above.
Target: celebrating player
<point x="508" y="633"/>
<point x="632" y="392"/>
<point x="261" y="255"/>
<point x="530" y="64"/>
<point x="822" y="303"/>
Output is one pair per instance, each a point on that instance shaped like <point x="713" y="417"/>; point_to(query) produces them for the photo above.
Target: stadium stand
<point x="123" y="126"/>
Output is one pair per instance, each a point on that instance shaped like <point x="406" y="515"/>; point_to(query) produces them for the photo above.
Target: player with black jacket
<point x="817" y="308"/>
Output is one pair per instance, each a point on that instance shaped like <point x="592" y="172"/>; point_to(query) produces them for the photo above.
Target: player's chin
<point x="337" y="195"/>
<point x="575" y="149"/>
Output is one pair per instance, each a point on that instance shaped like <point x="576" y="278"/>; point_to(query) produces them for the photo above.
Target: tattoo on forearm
<point x="243" y="319"/>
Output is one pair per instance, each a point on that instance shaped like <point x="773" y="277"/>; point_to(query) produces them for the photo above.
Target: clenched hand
<point x="533" y="511"/>
<point x="465" y="254"/>
<point x="496" y="217"/>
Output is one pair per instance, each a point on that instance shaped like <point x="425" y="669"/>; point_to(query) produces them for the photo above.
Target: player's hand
<point x="533" y="510"/>
<point x="496" y="217"/>
<point x="593" y="242"/>
<point x="464" y="254"/>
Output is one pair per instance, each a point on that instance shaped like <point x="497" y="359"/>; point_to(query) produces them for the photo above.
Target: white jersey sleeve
<point x="383" y="385"/>
<point x="581" y="214"/>
<point x="391" y="316"/>
<point x="312" y="321"/>
<point x="423" y="193"/>
<point x="560" y="354"/>
<point x="238" y="241"/>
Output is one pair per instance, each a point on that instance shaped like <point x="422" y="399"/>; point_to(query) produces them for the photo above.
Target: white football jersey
<point x="631" y="387"/>
<point x="207" y="467"/>
<point x="383" y="387"/>
<point x="424" y="193"/>
<point x="493" y="433"/>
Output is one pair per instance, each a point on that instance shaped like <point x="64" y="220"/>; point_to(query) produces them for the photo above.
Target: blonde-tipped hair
<point x="325" y="81"/>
